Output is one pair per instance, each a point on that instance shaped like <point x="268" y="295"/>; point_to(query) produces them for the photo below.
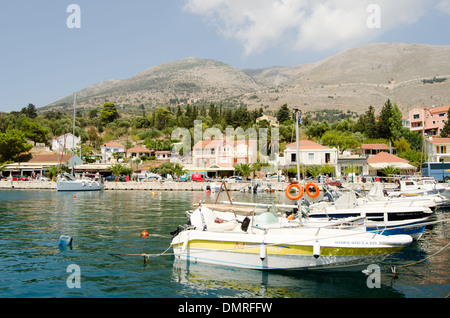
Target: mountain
<point x="354" y="79"/>
<point x="187" y="81"/>
<point x="363" y="76"/>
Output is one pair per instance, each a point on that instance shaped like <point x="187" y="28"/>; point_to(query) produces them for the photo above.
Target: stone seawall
<point x="163" y="186"/>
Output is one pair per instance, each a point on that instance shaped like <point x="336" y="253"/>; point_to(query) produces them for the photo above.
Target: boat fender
<point x="144" y="233"/>
<point x="316" y="249"/>
<point x="185" y="244"/>
<point x="65" y="240"/>
<point x="262" y="252"/>
<point x="245" y="224"/>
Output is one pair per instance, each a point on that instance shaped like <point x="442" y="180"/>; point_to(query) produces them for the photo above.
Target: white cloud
<point x="306" y="24"/>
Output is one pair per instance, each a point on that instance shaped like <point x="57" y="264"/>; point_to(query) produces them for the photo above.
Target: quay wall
<point x="165" y="186"/>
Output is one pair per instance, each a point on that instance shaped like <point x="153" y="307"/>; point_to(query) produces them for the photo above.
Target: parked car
<point x="197" y="177"/>
<point x="19" y="178"/>
<point x="233" y="179"/>
<point x="114" y="178"/>
<point x="183" y="178"/>
<point x="276" y="178"/>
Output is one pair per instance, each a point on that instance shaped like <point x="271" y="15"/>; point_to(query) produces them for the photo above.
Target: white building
<point x="65" y="142"/>
<point x="111" y="148"/>
<point x="218" y="155"/>
<point x="311" y="154"/>
<point x="438" y="149"/>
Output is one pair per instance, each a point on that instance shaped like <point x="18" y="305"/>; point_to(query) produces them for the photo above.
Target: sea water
<point x="105" y="258"/>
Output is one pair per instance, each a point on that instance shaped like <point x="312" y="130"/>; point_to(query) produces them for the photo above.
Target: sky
<point x="52" y="48"/>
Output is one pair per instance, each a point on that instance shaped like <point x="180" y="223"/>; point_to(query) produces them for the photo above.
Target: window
<point x="441" y="114"/>
<point x="293" y="157"/>
<point x="311" y="156"/>
<point x="416" y="116"/>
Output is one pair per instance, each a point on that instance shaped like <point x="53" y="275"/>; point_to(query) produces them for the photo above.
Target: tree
<point x="283" y="114"/>
<point x="314" y="171"/>
<point x="29" y="111"/>
<point x="12" y="144"/>
<point x="34" y="131"/>
<point x="445" y="132"/>
<point x="389" y="171"/>
<point x="108" y="113"/>
<point x="162" y="118"/>
<point x="243" y="169"/>
<point x="117" y="169"/>
<point x="343" y="140"/>
<point x="390" y="122"/>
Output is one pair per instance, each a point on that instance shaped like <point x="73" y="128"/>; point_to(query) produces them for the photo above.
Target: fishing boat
<point x="260" y="241"/>
<point x="67" y="182"/>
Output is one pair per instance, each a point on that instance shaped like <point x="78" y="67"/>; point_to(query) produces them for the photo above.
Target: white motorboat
<point x="418" y="187"/>
<point x="260" y="241"/>
<point x="67" y="182"/>
<point x="382" y="216"/>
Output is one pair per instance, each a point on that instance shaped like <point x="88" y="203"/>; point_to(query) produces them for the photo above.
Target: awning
<point x="398" y="165"/>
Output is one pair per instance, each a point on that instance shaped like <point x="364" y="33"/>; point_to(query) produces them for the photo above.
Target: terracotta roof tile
<point x="307" y="144"/>
<point x="385" y="157"/>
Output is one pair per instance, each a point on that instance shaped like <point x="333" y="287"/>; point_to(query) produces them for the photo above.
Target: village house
<point x="271" y="119"/>
<point x="437" y="149"/>
<point x="428" y="121"/>
<point x="111" y="148"/>
<point x="311" y="153"/>
<point x="220" y="156"/>
<point x="65" y="142"/>
<point x="137" y="152"/>
<point x="369" y="150"/>
<point x="384" y="159"/>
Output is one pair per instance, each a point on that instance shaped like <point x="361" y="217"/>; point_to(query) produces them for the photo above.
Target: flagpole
<point x="298" y="119"/>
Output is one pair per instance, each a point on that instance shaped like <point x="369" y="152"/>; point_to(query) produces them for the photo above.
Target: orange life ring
<point x="288" y="192"/>
<point x="315" y="186"/>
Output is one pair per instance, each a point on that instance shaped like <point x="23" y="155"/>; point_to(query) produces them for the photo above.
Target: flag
<point x="300" y="119"/>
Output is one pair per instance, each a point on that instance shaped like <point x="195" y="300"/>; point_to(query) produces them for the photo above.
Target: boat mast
<point x="73" y="131"/>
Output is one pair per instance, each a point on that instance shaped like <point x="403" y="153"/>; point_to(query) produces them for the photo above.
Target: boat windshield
<point x="266" y="215"/>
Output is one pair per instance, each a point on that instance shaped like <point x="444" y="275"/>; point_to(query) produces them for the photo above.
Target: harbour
<point x="107" y="246"/>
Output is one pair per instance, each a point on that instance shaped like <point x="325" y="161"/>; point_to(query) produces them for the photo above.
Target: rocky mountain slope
<point x="354" y="79"/>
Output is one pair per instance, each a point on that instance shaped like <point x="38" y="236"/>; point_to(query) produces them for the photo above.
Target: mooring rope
<point x="147" y="256"/>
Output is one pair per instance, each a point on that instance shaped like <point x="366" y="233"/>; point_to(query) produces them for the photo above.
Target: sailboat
<point x="67" y="181"/>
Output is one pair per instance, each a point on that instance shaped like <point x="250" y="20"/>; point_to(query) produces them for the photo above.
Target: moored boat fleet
<point x="344" y="230"/>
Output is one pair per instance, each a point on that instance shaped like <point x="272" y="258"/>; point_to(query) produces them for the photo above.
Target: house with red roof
<point x="137" y="152"/>
<point x="437" y="149"/>
<point x="311" y="153"/>
<point x="369" y="150"/>
<point x="109" y="149"/>
<point x="218" y="155"/>
<point x="384" y="159"/>
<point x="428" y="121"/>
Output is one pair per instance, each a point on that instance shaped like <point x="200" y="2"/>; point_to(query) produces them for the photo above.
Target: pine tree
<point x="445" y="132"/>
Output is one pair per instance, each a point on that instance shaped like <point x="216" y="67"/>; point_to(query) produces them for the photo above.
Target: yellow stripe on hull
<point x="285" y="249"/>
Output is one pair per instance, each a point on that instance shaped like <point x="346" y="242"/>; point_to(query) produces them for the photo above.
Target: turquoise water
<point x="106" y="225"/>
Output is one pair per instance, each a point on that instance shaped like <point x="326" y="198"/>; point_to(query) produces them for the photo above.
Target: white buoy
<point x="262" y="252"/>
<point x="316" y="249"/>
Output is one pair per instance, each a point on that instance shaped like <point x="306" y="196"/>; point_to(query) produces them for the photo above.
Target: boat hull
<point x="328" y="251"/>
<point x="79" y="185"/>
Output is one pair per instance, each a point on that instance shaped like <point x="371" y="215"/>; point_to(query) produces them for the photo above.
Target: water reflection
<point x="206" y="280"/>
<point x="31" y="223"/>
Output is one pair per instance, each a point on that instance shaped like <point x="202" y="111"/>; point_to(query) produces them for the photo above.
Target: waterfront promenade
<point x="163" y="186"/>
